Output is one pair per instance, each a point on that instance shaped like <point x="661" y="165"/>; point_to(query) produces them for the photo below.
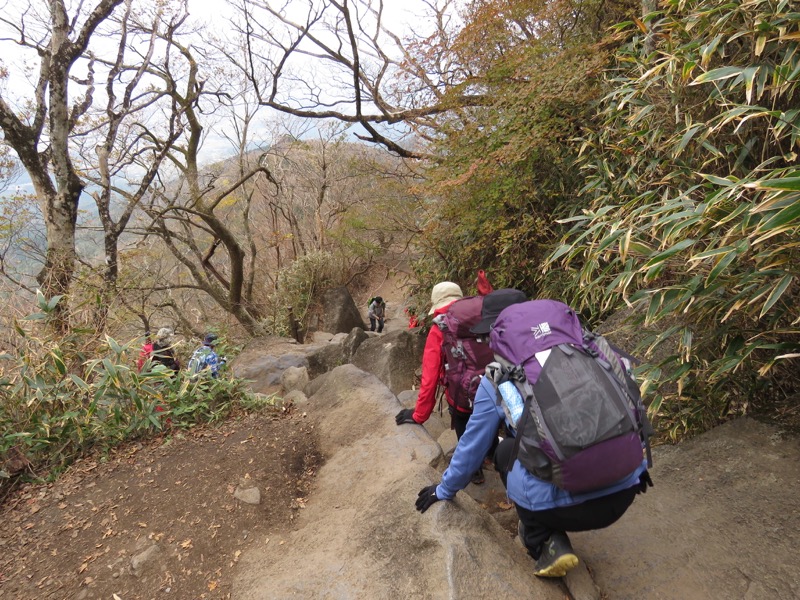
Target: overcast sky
<point x="400" y="16"/>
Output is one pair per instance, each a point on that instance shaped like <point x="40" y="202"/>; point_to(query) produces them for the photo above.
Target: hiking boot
<point x="557" y="557"/>
<point x="477" y="477"/>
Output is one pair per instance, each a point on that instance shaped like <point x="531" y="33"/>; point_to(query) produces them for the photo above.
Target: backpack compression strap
<point x="611" y="352"/>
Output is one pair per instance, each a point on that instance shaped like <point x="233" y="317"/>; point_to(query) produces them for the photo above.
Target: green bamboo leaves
<point x="55" y="403"/>
<point x="692" y="175"/>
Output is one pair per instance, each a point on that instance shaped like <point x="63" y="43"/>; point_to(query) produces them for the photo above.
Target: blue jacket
<point x="523" y="489"/>
<point x="204" y="358"/>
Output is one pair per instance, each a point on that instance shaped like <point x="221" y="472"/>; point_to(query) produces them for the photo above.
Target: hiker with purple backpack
<point x="577" y="460"/>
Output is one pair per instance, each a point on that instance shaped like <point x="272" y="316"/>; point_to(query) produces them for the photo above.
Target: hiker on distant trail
<point x="163" y="352"/>
<point x="482" y="283"/>
<point x="205" y="357"/>
<point x="413" y="320"/>
<point x="376" y="313"/>
<point x="145" y="352"/>
<point x="550" y="368"/>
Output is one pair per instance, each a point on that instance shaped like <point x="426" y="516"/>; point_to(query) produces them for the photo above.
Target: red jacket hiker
<point x="413" y="321"/>
<point x="144" y="354"/>
<point x="431" y="371"/>
<point x="442" y="296"/>
<point x="484" y="287"/>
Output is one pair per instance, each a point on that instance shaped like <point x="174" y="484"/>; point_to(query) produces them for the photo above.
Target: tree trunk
<point x="55" y="276"/>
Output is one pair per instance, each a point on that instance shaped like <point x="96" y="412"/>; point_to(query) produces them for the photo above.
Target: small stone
<point x="248" y="495"/>
<point x="141" y="559"/>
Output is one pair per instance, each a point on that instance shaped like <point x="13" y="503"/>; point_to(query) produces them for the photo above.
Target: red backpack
<point x="465" y="354"/>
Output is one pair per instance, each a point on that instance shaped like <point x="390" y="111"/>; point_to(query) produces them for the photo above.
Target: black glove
<point x="405" y="416"/>
<point x="426" y="498"/>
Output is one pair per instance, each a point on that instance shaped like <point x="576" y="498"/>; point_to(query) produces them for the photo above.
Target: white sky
<point x="400" y="16"/>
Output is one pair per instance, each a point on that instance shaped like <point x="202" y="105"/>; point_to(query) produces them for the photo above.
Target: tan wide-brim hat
<point x="444" y="293"/>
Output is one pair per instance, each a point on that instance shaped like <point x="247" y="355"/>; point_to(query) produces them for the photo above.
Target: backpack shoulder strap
<point x="518" y="432"/>
<point x="517" y="375"/>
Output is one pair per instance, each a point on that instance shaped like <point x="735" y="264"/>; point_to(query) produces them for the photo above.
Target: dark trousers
<point x="539" y="525"/>
<point x="372" y="322"/>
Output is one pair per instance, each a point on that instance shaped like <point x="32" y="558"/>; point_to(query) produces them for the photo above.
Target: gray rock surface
<point x="360" y="536"/>
<point x="294" y="378"/>
<point x="321" y="337"/>
<point x="339" y="338"/>
<point x="145" y="559"/>
<point x="296" y="397"/>
<point x="392" y="357"/>
<point x="340" y="313"/>
<point x="265" y="372"/>
<point x="354" y="339"/>
<point x="408" y="398"/>
<point x="324" y="359"/>
<point x="248" y="495"/>
<point x="720" y="522"/>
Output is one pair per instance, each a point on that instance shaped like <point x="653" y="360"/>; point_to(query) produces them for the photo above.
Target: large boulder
<point x="393" y="358"/>
<point x="294" y="378"/>
<point x="340" y="313"/>
<point x="264" y="372"/>
<point x="359" y="535"/>
<point x="324" y="359"/>
<point x="353" y="340"/>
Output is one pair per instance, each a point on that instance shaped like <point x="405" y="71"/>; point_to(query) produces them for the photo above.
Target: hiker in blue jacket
<point x="546" y="512"/>
<point x="206" y="357"/>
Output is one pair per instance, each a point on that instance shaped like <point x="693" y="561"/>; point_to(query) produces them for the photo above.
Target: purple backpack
<point x="580" y="419"/>
<point x="465" y="354"/>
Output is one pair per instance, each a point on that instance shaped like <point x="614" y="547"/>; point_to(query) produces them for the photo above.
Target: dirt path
<point x="158" y="518"/>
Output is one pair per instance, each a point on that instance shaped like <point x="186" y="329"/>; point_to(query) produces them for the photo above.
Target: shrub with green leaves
<point x="692" y="170"/>
<point x="56" y="403"/>
<point x="299" y="287"/>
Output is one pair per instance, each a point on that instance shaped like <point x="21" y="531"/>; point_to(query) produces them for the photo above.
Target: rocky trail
<point x="317" y="501"/>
